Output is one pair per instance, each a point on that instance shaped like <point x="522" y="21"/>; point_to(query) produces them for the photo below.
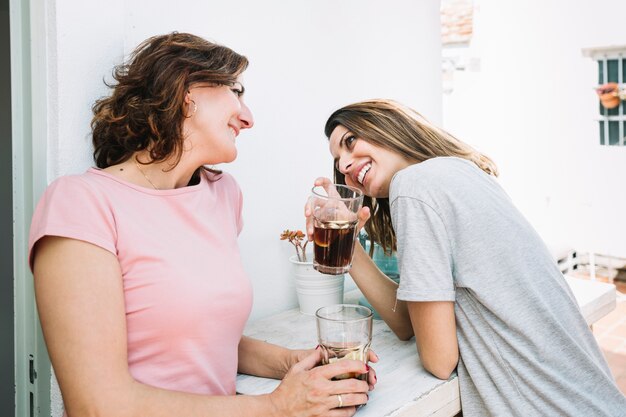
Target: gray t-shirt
<point x="525" y="348"/>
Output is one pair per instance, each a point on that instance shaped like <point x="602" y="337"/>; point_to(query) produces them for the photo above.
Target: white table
<point x="404" y="388"/>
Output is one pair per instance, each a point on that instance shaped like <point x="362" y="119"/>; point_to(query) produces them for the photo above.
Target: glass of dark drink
<point x="334" y="209"/>
<point x="344" y="331"/>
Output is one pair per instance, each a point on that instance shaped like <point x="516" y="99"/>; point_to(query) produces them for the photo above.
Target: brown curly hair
<point x="146" y="109"/>
<point x="391" y="125"/>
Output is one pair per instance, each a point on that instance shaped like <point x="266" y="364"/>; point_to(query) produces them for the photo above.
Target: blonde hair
<point x="396" y="127"/>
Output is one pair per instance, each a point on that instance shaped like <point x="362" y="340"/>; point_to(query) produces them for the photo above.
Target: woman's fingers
<point x="322" y="181"/>
<point x="308" y="214"/>
<point x="307" y="390"/>
<point x="341" y="367"/>
<point x="363" y="216"/>
<point x="309" y="361"/>
<point x="371" y="375"/>
<point x="348" y="385"/>
<point x="346" y="406"/>
<point x="341" y="412"/>
<point x="351" y="400"/>
<point x="344" y="366"/>
<point x="372" y="356"/>
<point x="328" y="186"/>
<point x="371" y="379"/>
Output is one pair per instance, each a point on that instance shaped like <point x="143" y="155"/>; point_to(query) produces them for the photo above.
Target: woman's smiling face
<point x="216" y="116"/>
<point x="365" y="165"/>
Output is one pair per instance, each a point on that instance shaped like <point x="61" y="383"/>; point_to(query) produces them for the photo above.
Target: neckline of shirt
<point x="145" y="190"/>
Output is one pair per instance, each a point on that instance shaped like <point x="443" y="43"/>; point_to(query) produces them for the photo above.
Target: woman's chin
<point x="230" y="157"/>
<point x="376" y="192"/>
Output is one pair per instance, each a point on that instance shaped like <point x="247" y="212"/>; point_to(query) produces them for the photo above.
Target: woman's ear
<point x="192" y="108"/>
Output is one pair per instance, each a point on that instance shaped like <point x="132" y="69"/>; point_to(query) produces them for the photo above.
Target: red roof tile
<point x="456" y="21"/>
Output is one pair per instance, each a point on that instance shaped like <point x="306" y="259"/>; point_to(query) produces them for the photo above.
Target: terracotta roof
<point x="456" y="21"/>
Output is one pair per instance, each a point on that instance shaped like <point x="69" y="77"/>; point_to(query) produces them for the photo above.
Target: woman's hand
<point x="371" y="376"/>
<point x="308" y="390"/>
<point x="298" y="355"/>
<point x="363" y="215"/>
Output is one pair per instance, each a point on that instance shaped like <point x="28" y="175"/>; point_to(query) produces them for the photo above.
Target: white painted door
<point x="25" y="141"/>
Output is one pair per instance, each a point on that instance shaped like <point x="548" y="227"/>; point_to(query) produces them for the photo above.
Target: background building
<point x="519" y="84"/>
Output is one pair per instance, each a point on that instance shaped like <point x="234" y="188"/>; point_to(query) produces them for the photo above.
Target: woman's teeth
<point x="362" y="173"/>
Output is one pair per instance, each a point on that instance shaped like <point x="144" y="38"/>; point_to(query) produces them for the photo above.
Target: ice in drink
<point x="335" y="352"/>
<point x="333" y="246"/>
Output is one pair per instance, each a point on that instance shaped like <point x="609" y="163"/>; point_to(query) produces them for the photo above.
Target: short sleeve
<point x="72" y="208"/>
<point x="424" y="252"/>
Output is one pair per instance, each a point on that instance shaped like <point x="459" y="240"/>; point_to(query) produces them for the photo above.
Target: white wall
<point x="307" y="58"/>
<point x="531" y="106"/>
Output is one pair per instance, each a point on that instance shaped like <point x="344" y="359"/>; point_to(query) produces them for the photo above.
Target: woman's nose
<point x="247" y="121"/>
<point x="344" y="165"/>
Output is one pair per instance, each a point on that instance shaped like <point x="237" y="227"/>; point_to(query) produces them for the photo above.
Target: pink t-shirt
<point x="187" y="295"/>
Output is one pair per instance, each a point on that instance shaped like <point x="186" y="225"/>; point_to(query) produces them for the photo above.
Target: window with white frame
<point x="611" y="63"/>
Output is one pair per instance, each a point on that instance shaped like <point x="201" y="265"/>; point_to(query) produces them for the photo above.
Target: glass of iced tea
<point x="334" y="209"/>
<point x="344" y="331"/>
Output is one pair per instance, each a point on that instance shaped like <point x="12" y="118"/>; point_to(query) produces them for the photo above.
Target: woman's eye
<point x="349" y="141"/>
<point x="238" y="91"/>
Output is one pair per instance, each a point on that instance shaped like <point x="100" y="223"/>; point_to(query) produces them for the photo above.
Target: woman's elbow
<point x="441" y="371"/>
<point x="441" y="367"/>
<point x="97" y="409"/>
<point x="118" y="402"/>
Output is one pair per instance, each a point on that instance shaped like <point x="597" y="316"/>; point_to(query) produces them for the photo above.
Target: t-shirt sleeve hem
<point x="405" y="295"/>
<point x="69" y="233"/>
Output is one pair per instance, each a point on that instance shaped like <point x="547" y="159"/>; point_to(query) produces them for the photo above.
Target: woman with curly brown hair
<point x="139" y="283"/>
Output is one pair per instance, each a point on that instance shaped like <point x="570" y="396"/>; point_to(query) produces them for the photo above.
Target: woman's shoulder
<point x="74" y="193"/>
<point x="93" y="185"/>
<point x="441" y="165"/>
<point x="435" y="177"/>
<point x="424" y="172"/>
<point x="73" y="182"/>
<point x="73" y="206"/>
<point x="439" y="169"/>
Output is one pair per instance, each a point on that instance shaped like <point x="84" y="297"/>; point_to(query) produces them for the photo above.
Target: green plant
<point x="298" y="240"/>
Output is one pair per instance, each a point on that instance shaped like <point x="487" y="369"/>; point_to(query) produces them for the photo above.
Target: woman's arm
<point x="380" y="291"/>
<point x="80" y="299"/>
<point x="81" y="306"/>
<point x="432" y="323"/>
<point x="378" y="288"/>
<point x="265" y="359"/>
<point x="435" y="335"/>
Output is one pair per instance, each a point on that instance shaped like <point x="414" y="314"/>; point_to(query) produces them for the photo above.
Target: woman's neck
<point x="164" y="175"/>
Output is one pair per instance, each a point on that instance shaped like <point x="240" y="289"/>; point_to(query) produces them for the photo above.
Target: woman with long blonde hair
<point x="478" y="288"/>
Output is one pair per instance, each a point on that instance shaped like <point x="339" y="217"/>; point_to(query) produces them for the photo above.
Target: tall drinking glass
<point x="344" y="331"/>
<point x="334" y="209"/>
